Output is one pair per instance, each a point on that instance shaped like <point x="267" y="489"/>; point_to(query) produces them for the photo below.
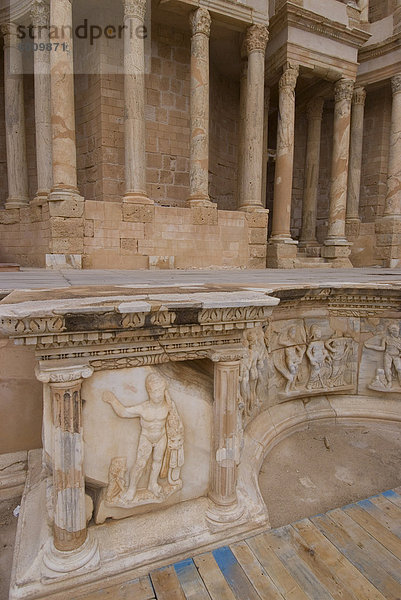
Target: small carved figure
<point x="117" y="473"/>
<point x="379" y="382"/>
<point x="161" y="438"/>
<point x="391" y="346"/>
<point x="339" y="349"/>
<point x="293" y="355"/>
<point x="319" y="359"/>
<point x="251" y="367"/>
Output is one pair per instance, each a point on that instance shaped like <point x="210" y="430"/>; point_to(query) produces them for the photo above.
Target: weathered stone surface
<point x="138" y="213"/>
<point x="204" y="215"/>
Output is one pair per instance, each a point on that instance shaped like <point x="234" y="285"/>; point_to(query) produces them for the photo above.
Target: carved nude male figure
<point x="391" y="346"/>
<point x="153" y="414"/>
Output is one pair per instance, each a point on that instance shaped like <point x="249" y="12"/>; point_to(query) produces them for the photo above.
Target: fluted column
<point x="314" y="112"/>
<point x="200" y="22"/>
<point x="62" y="102"/>
<point x="17" y="168"/>
<point x="40" y="14"/>
<point x="134" y="103"/>
<point x="281" y="251"/>
<point x="70" y="534"/>
<point x="355" y="158"/>
<point x="336" y="246"/>
<point x="251" y="192"/>
<point x="226" y="447"/>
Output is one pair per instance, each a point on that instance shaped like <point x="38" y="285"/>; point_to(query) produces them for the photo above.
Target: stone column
<point x="17" y="168"/>
<point x="252" y="158"/>
<point x="397" y="17"/>
<point x="314" y="112"/>
<point x="355" y="158"/>
<point x="336" y="248"/>
<point x="223" y="493"/>
<point x="40" y="13"/>
<point x="389" y="227"/>
<point x="72" y="547"/>
<point x="199" y="109"/>
<point x="242" y="118"/>
<point x="265" y="158"/>
<point x="134" y="103"/>
<point x="282" y="249"/>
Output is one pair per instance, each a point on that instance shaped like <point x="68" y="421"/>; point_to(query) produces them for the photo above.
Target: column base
<point x="337" y="251"/>
<point x="252" y="208"/>
<point x="57" y="563"/>
<point x="41" y="197"/>
<point x="219" y="516"/>
<point x="16" y="203"/>
<point x="281" y="253"/>
<point x="199" y="201"/>
<point x="137" y="198"/>
<point x="311" y="248"/>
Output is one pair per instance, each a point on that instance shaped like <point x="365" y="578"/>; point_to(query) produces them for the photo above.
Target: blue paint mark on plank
<point x="390" y="494"/>
<point x="190" y="580"/>
<point x="234" y="574"/>
<point x="182" y="565"/>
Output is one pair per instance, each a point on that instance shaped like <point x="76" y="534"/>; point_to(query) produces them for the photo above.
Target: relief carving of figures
<point x="319" y="359"/>
<point x="161" y="440"/>
<point x="293" y="355"/>
<point x="252" y="369"/>
<point x="390" y="345"/>
<point x="339" y="352"/>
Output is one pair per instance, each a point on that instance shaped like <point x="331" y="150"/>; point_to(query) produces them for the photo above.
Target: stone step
<point x="306" y="262"/>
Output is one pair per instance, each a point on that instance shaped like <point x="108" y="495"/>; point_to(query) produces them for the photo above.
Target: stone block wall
<point x="126" y="236"/>
<point x="25" y="235"/>
<point x="3" y="156"/>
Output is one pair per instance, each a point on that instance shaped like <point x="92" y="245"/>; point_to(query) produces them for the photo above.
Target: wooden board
<point x="393" y="497"/>
<point x="140" y="589"/>
<point x="336" y="562"/>
<point x="213" y="578"/>
<point x="282" y="578"/>
<point x="390" y="589"/>
<point x="234" y="574"/>
<point x="190" y="580"/>
<point x="166" y="585"/>
<point x="384" y="518"/>
<point x="255" y="572"/>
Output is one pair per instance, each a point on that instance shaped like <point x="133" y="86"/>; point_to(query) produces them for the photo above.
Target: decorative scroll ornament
<point x="359" y="96"/>
<point x="396" y="83"/>
<point x="135" y="9"/>
<point x="40" y="13"/>
<point x="63" y="374"/>
<point x="288" y="80"/>
<point x="256" y="38"/>
<point x="314" y="108"/>
<point x="343" y="90"/>
<point x="200" y="21"/>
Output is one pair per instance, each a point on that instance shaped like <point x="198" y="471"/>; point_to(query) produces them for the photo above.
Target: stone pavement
<point x="267" y="278"/>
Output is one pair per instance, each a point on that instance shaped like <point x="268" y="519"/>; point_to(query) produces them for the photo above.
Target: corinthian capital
<point x="343" y="90"/>
<point x="359" y="96"/>
<point x="135" y="9"/>
<point x="200" y="21"/>
<point x="40" y="13"/>
<point x="256" y="39"/>
<point x="9" y="33"/>
<point x="396" y="83"/>
<point x="314" y="108"/>
<point x="288" y="80"/>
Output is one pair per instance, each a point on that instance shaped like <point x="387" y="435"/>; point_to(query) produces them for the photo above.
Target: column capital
<point x="359" y="96"/>
<point x="135" y="9"/>
<point x="288" y="80"/>
<point x="9" y="33"/>
<point x="200" y="21"/>
<point x="62" y="374"/>
<point x="40" y="13"/>
<point x="314" y="108"/>
<point x="343" y="90"/>
<point x="396" y="84"/>
<point x="256" y="39"/>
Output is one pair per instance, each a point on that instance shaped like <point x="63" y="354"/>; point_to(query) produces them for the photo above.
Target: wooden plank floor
<point x="352" y="553"/>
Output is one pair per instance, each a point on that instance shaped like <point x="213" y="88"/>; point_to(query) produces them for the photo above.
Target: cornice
<point x="380" y="49"/>
<point x="292" y="15"/>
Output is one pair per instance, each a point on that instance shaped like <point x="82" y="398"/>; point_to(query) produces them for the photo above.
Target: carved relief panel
<point x="380" y="368"/>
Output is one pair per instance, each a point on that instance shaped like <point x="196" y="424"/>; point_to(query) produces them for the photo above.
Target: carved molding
<point x="31" y="325"/>
<point x="396" y="84"/>
<point x="200" y="21"/>
<point x="135" y="9"/>
<point x="359" y="96"/>
<point x="256" y="39"/>
<point x="40" y="13"/>
<point x="343" y="90"/>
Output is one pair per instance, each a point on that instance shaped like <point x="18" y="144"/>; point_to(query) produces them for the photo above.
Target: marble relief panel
<point x="147" y="439"/>
<point x="380" y="368"/>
